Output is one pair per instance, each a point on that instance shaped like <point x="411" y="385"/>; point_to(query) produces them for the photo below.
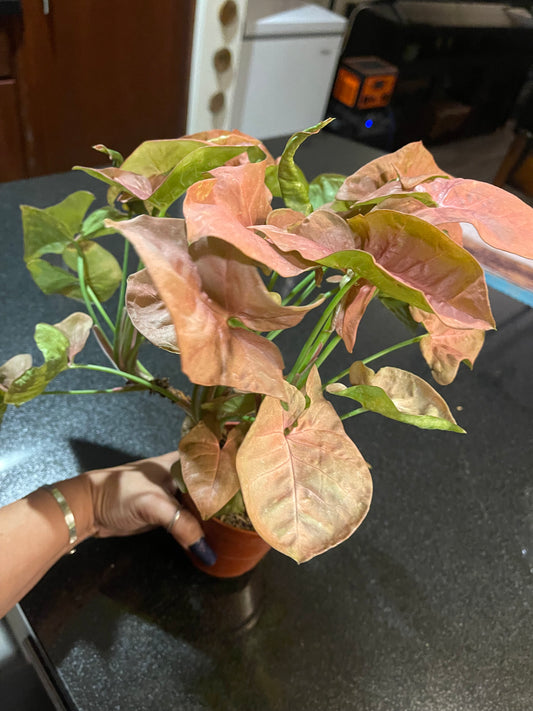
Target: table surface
<point x="427" y="606"/>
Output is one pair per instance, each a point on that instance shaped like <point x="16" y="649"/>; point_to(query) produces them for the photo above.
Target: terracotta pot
<point x="237" y="550"/>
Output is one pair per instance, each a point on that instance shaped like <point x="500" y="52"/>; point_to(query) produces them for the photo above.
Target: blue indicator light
<point x="369" y="123"/>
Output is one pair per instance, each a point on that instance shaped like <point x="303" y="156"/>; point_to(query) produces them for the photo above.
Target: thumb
<point x="182" y="525"/>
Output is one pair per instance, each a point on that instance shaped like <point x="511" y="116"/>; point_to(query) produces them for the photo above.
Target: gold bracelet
<point x="66" y="511"/>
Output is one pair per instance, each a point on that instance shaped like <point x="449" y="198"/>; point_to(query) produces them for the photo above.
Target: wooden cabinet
<point x="97" y="71"/>
<point x="12" y="155"/>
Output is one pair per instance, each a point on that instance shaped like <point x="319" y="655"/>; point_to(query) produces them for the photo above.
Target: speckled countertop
<point x="427" y="607"/>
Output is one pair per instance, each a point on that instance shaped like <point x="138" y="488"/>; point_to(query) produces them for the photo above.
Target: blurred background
<point x="74" y="73"/>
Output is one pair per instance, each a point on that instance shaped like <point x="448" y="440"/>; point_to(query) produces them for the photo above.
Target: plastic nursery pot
<point x="237" y="550"/>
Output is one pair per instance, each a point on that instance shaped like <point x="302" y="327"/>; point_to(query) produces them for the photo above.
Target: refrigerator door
<point x="290" y="17"/>
<point x="284" y="83"/>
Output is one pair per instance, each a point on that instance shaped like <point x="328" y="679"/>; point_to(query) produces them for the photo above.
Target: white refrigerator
<point x="287" y="65"/>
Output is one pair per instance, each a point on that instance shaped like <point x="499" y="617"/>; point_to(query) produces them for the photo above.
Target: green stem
<point x="100" y="308"/>
<point x="384" y="352"/>
<point x="91" y="392"/>
<point x="308" y="279"/>
<point x="133" y="378"/>
<point x="122" y="293"/>
<point x="273" y="280"/>
<point x="359" y="411"/>
<point x="390" y="349"/>
<point x="328" y="350"/>
<point x="309" y="347"/>
<point x="83" y="289"/>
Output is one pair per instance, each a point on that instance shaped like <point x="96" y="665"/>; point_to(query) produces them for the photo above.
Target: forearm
<point x="34" y="535"/>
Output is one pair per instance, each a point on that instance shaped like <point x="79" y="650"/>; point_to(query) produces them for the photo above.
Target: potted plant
<point x="262" y="441"/>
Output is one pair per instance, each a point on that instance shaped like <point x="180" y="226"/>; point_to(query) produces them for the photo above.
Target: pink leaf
<point x="229" y="206"/>
<point x="149" y="313"/>
<point x="423" y="258"/>
<point x="212" y="352"/>
<point x="502" y="220"/>
<point x="305" y="484"/>
<point x="445" y="348"/>
<point x="413" y="164"/>
<point x="209" y="472"/>
<point x="351" y="311"/>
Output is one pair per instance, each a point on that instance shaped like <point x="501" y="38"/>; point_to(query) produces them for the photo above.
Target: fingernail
<point x="203" y="552"/>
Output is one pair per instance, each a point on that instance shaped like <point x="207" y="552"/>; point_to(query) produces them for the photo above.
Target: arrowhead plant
<point x="215" y="287"/>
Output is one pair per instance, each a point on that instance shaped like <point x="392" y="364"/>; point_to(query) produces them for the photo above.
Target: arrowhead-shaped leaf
<point x="209" y="471"/>
<point x="102" y="271"/>
<point x="445" y="348"/>
<point x="410" y="260"/>
<point x="149" y="313"/>
<point x="412" y="163"/>
<point x="212" y="351"/>
<point x="502" y="219"/>
<point x="54" y="346"/>
<point x="399" y="395"/>
<point x="76" y="328"/>
<point x="293" y="185"/>
<point x="324" y="188"/>
<point x="240" y="289"/>
<point x="351" y="310"/>
<point x="305" y="484"/>
<point x="53" y="231"/>
<point x="229" y="206"/>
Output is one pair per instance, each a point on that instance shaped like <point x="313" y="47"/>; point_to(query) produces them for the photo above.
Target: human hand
<point x="139" y="496"/>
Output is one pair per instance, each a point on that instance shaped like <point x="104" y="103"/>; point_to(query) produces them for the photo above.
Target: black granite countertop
<point x="427" y="607"/>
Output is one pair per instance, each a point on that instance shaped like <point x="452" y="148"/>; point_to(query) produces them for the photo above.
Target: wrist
<point x="78" y="495"/>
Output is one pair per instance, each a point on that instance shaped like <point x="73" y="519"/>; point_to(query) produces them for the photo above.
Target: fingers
<point x="182" y="526"/>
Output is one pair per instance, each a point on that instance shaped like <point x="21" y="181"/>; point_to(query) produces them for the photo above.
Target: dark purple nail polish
<point x="203" y="552"/>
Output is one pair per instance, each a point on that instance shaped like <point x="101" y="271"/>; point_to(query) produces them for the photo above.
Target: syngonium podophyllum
<point x="262" y="435"/>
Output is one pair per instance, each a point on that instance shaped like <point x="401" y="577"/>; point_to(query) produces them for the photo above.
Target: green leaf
<point x="93" y="225"/>
<point x="158" y="157"/>
<point x="363" y="264"/>
<point x="231" y="406"/>
<point x="192" y="168"/>
<point x="398" y="395"/>
<point x="114" y="156"/>
<point x="51" y="231"/>
<point x="43" y="233"/>
<point x="366" y="205"/>
<point x="272" y="180"/>
<point x="324" y="188"/>
<point x="54" y="346"/>
<point x="54" y="280"/>
<point x="294" y="186"/>
<point x="71" y="211"/>
<point x="102" y="271"/>
<point x="401" y="310"/>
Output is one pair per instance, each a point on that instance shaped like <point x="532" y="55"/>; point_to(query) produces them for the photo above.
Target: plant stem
<point x="308" y="279"/>
<point x="83" y="289"/>
<point x="408" y="342"/>
<point x="309" y="347"/>
<point x="92" y="392"/>
<point x="375" y="356"/>
<point x="273" y="280"/>
<point x="328" y="350"/>
<point x="122" y="293"/>
<point x="133" y="378"/>
<point x="100" y="308"/>
<point x="359" y="411"/>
